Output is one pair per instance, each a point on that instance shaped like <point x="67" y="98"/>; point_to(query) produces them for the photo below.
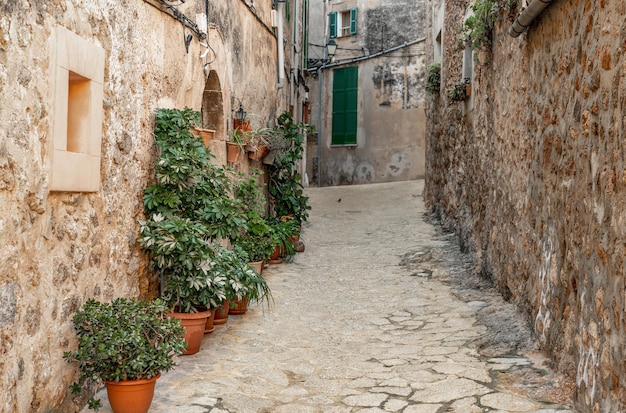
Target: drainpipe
<point x="294" y="64"/>
<point x="527" y="16"/>
<point x="280" y="43"/>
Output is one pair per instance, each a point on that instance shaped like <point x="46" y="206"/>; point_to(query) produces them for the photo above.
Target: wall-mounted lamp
<point x="331" y="49"/>
<point x="240" y="114"/>
<point x="188" y="40"/>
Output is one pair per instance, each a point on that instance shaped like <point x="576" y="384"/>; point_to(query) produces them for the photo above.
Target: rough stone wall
<point x="58" y="248"/>
<point x="531" y="174"/>
<point x="390" y="126"/>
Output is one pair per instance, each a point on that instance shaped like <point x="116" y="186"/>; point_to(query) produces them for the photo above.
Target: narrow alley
<point x="380" y="314"/>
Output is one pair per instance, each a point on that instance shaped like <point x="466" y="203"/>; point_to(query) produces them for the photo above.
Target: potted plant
<point x="256" y="245"/>
<point x="126" y="344"/>
<point x="188" y="206"/>
<point x="206" y="134"/>
<point x="259" y="145"/>
<point x="285" y="186"/>
<point x="283" y="231"/>
<point x="237" y="138"/>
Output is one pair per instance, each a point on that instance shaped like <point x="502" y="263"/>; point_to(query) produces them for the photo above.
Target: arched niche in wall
<point x="213" y="106"/>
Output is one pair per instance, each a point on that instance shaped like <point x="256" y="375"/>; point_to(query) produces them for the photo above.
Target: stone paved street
<point x="375" y="316"/>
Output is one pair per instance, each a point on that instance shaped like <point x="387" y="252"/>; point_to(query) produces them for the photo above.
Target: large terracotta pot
<point x="131" y="396"/>
<point x="238" y="307"/>
<point x="232" y="152"/>
<point x="260" y="153"/>
<point x="221" y="314"/>
<point x="209" y="327"/>
<point x="194" y="329"/>
<point x="258" y="266"/>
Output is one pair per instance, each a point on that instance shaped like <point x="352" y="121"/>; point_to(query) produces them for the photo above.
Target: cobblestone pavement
<point x="379" y="314"/>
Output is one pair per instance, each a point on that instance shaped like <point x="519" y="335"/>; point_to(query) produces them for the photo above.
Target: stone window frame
<point x="77" y="70"/>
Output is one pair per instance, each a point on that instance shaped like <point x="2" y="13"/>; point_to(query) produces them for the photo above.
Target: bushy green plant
<point x="433" y="80"/>
<point x="477" y="29"/>
<point x="190" y="204"/>
<point x="258" y="242"/>
<point x="285" y="187"/>
<point x="243" y="281"/>
<point x="457" y="92"/>
<point x="123" y="340"/>
<point x="283" y="230"/>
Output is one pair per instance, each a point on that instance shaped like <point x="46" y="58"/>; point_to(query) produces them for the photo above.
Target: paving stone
<point x="365" y="400"/>
<point x="422" y="408"/>
<point x="395" y="405"/>
<point x="508" y="402"/>
<point x="447" y="390"/>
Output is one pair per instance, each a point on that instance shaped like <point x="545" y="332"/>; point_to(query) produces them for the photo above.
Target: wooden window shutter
<point x="353" y="20"/>
<point x="333" y="24"/>
<point x="345" y="106"/>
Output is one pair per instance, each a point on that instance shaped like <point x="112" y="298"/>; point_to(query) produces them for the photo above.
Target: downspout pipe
<point x="280" y="45"/>
<point x="527" y="16"/>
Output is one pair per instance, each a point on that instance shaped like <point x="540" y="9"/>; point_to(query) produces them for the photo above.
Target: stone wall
<point x="530" y="172"/>
<point x="60" y="248"/>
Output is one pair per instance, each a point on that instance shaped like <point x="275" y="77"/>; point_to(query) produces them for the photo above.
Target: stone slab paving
<point x="353" y="330"/>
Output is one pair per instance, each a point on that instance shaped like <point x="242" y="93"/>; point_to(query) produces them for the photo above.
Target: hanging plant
<point x="457" y="92"/>
<point x="433" y="80"/>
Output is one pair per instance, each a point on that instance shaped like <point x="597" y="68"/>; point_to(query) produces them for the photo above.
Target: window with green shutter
<point x="353" y="20"/>
<point x="345" y="105"/>
<point x="333" y="24"/>
<point x="343" y="23"/>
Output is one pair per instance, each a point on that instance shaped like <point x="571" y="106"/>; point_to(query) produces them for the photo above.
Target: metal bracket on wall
<point x="178" y="15"/>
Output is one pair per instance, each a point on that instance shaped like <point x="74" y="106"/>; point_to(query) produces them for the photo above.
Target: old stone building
<point x="79" y="81"/>
<point x="529" y="169"/>
<point x="367" y="101"/>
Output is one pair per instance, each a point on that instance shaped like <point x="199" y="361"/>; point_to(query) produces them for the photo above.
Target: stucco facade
<point x="79" y="81"/>
<point x="387" y="51"/>
<point x="530" y="172"/>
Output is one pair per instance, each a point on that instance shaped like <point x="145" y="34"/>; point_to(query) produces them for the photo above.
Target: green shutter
<point x="333" y="24"/>
<point x="345" y="105"/>
<point x="353" y="20"/>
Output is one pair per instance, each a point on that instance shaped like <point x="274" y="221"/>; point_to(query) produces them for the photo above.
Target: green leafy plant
<point x="457" y="92"/>
<point x="285" y="188"/>
<point x="477" y="29"/>
<point x="190" y="205"/>
<point x="433" y="80"/>
<point x="123" y="340"/>
<point x="243" y="281"/>
<point x="283" y="230"/>
<point x="258" y="242"/>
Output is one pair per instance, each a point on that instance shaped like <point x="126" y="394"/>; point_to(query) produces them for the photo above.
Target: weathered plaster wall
<point x="533" y="180"/>
<point x="56" y="248"/>
<point x="391" y="124"/>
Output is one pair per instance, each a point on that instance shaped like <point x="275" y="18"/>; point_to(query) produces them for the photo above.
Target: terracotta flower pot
<point x="233" y="152"/>
<point x="194" y="329"/>
<point x="275" y="258"/>
<point x="260" y="153"/>
<point x="221" y="314"/>
<point x="131" y="396"/>
<point x="209" y="327"/>
<point x="238" y="307"/>
<point x="206" y="134"/>
<point x="258" y="266"/>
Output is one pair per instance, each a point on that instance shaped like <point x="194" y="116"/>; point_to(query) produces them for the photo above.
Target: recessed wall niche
<point x="78" y="77"/>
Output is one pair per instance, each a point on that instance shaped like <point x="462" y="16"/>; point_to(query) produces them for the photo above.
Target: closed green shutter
<point x="345" y="105"/>
<point x="353" y="20"/>
<point x="333" y="24"/>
